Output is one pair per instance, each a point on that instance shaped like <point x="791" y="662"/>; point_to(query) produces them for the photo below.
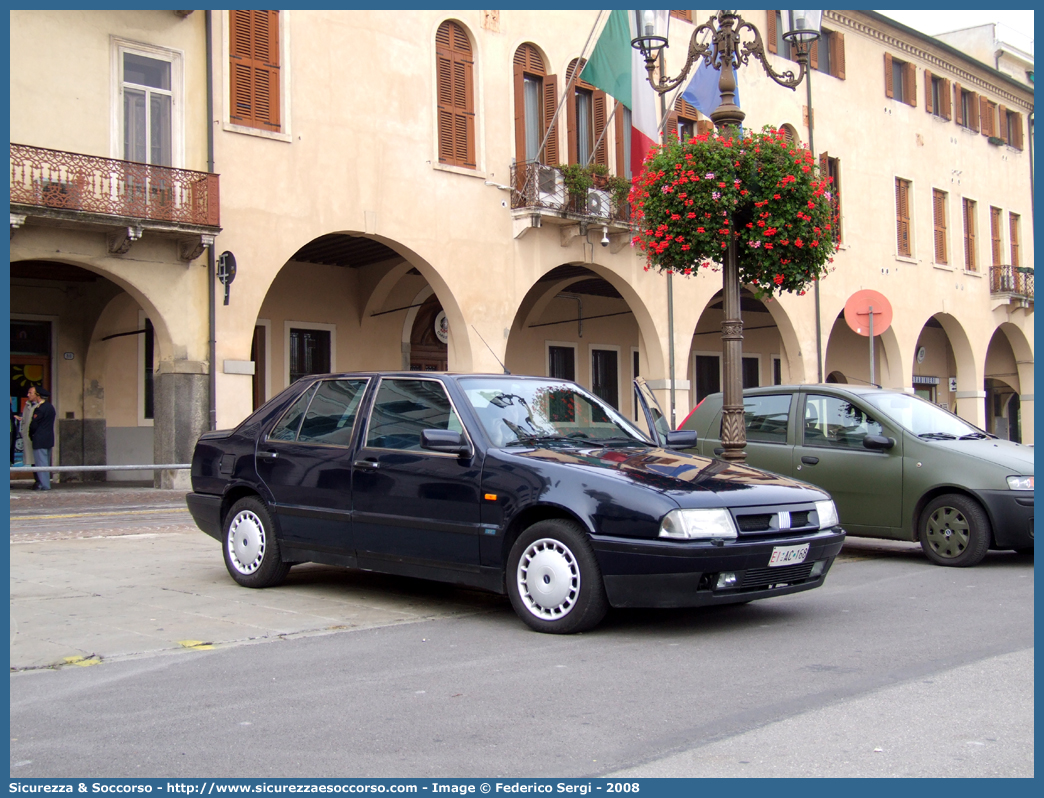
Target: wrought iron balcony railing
<point x="1014" y="280"/>
<point x="67" y="181"/>
<point x="537" y="187"/>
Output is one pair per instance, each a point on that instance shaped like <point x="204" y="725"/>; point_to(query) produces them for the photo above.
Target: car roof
<point x="829" y="386"/>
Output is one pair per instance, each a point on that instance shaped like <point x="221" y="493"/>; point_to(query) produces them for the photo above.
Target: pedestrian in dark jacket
<point x="41" y="435"/>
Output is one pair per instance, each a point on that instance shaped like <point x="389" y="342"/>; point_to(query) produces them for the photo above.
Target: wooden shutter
<point x="686" y="15"/>
<point x="939" y="219"/>
<point x="984" y="117"/>
<point x="947" y="99"/>
<point x="837" y="54"/>
<point x="704" y="126"/>
<point x="601" y="119"/>
<point x="527" y="61"/>
<point x="254" y="69"/>
<point x="456" y="96"/>
<point x="957" y="103"/>
<point x="902" y="216"/>
<point x="1015" y="131"/>
<point x="889" y="89"/>
<point x="1002" y="123"/>
<point x="969" y="236"/>
<point x="551" y="154"/>
<point x="973" y="110"/>
<point x="1013" y="237"/>
<point x="928" y="103"/>
<point x="910" y="84"/>
<point x="813" y="52"/>
<point x="622" y="158"/>
<point x="995" y="234"/>
<point x="770" y="31"/>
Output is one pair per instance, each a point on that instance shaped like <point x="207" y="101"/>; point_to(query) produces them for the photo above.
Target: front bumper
<point x="659" y="573"/>
<point x="1011" y="517"/>
<point x="206" y="512"/>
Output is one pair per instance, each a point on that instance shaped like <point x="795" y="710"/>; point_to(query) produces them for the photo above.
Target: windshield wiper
<point x="938" y="436"/>
<point x="524" y="439"/>
<point x="974" y="436"/>
<point x="616" y="442"/>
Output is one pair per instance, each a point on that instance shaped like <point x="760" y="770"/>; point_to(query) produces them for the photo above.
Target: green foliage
<point x="757" y="189"/>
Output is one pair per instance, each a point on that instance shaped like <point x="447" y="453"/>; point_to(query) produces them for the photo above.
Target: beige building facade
<point x="386" y="184"/>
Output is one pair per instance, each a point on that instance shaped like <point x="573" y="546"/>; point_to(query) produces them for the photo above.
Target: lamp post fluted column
<point x="725" y="52"/>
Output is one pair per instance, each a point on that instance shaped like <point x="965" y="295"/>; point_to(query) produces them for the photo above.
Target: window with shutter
<point x="531" y="117"/>
<point x="995" y="235"/>
<point x="254" y="69"/>
<point x="828" y="53"/>
<point x="1013" y="237"/>
<point x="900" y="77"/>
<point x="586" y="119"/>
<point x="970" y="258"/>
<point x="939" y="200"/>
<point x="683" y="120"/>
<point x="456" y="96"/>
<point x="902" y="217"/>
<point x="685" y="15"/>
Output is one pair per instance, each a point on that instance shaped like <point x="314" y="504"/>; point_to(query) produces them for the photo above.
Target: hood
<point x="686" y="478"/>
<point x="1016" y="458"/>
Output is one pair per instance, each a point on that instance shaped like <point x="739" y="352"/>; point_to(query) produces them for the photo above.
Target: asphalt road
<point x="894" y="668"/>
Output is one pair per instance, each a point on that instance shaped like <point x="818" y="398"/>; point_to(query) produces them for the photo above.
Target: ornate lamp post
<point x="725" y="52"/>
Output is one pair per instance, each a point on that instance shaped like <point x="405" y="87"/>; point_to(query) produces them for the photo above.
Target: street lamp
<point x="725" y="52"/>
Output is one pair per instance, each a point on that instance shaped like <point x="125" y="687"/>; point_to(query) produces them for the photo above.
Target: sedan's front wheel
<point x="251" y="549"/>
<point x="553" y="579"/>
<point x="954" y="530"/>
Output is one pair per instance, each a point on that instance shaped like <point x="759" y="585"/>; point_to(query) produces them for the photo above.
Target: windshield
<point x="521" y="412"/>
<point x="922" y="418"/>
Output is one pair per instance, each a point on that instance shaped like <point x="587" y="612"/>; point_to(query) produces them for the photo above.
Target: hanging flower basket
<point x="757" y="188"/>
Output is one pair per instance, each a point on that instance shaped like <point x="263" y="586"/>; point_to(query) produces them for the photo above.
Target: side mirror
<point x="878" y="443"/>
<point x="445" y="440"/>
<point x="681" y="439"/>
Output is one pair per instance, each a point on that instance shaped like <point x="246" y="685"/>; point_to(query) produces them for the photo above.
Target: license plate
<point x="788" y="555"/>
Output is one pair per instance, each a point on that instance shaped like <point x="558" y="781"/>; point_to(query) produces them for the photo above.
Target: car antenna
<point x="490" y="348"/>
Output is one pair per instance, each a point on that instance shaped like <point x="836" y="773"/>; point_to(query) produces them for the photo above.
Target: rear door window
<point x="766" y="418"/>
<point x="331" y="415"/>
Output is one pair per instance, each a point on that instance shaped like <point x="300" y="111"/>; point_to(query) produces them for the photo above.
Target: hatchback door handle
<point x="372" y="465"/>
<point x="268" y="455"/>
<point x="809" y="460"/>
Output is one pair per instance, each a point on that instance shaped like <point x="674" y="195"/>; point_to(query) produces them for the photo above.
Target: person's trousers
<point x="42" y="457"/>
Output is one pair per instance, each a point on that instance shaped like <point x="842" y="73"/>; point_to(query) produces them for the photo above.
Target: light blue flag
<point x="702" y="90"/>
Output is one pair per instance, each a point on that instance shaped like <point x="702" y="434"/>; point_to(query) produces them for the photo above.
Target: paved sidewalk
<point x="72" y="496"/>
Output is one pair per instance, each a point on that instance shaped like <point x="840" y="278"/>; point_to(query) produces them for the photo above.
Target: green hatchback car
<point x="897" y="467"/>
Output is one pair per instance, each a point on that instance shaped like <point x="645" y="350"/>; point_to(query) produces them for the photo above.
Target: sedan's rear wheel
<point x="954" y="531"/>
<point x="251" y="549"/>
<point x="554" y="582"/>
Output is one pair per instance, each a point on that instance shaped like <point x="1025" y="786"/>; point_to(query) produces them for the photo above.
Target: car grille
<point x="770" y="523"/>
<point x="763" y="577"/>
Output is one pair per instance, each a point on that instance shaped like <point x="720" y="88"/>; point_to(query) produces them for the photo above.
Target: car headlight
<point x="1020" y="483"/>
<point x="827" y="513"/>
<point x="698" y="525"/>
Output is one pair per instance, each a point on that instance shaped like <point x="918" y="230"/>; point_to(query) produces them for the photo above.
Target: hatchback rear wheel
<point x="954" y="531"/>
<point x="250" y="547"/>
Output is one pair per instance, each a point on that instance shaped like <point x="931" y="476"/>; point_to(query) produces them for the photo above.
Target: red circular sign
<point x="857" y="312"/>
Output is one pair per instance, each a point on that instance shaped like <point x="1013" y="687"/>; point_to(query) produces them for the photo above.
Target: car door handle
<point x="809" y="460"/>
<point x="268" y="455"/>
<point x="371" y="465"/>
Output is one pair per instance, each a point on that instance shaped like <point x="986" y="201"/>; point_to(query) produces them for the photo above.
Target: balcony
<point x="538" y="194"/>
<point x="1014" y="283"/>
<point x="122" y="199"/>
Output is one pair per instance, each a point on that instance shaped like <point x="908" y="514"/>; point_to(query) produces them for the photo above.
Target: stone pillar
<point x="181" y="416"/>
<point x="971" y="406"/>
<point x="1026" y="417"/>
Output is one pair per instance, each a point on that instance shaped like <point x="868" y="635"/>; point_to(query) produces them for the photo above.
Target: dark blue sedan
<point x="529" y="486"/>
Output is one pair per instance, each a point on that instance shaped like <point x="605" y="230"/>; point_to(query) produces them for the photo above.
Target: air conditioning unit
<point x="598" y="203"/>
<point x="550" y="188"/>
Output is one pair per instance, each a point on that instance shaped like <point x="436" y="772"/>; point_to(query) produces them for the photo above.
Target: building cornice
<point x="876" y="26"/>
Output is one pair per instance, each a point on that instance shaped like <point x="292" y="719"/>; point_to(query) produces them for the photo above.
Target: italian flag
<point x="618" y="69"/>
